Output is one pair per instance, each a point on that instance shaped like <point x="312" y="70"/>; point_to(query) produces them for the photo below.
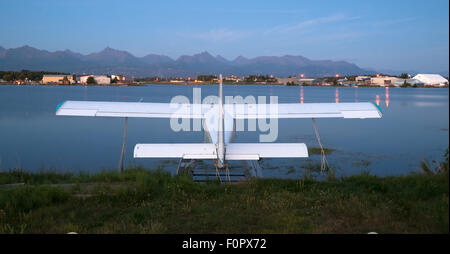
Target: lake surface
<point x="414" y="127"/>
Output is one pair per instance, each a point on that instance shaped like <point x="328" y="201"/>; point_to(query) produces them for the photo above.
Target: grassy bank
<point x="144" y="201"/>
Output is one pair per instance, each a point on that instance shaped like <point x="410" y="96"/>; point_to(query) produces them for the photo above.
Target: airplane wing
<point x="237" y="111"/>
<point x="131" y="109"/>
<point x="305" y="110"/>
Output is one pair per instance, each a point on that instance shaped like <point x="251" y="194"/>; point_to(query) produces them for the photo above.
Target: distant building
<point x="343" y="81"/>
<point x="431" y="79"/>
<point x="34" y="82"/>
<point x="307" y="81"/>
<point x="176" y="81"/>
<point x="383" y="80"/>
<point x="410" y="81"/>
<point x="100" y="79"/>
<point x="284" y="81"/>
<point x="57" y="79"/>
<point x="362" y="79"/>
<point x="20" y="82"/>
<point x="122" y="78"/>
<point x="231" y="78"/>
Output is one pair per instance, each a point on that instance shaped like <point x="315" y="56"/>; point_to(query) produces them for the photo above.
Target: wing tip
<point x="59" y="106"/>
<point x="380" y="112"/>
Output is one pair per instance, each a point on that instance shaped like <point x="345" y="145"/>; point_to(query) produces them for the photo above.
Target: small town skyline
<point x="26" y="77"/>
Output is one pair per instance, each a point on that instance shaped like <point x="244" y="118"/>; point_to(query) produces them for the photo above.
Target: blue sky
<point x="397" y="35"/>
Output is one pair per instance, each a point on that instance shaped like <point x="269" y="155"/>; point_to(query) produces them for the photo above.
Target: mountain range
<point x="112" y="61"/>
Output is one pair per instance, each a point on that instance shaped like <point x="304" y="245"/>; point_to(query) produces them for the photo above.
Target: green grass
<point x="144" y="201"/>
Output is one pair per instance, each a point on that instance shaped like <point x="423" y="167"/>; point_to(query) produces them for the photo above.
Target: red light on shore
<point x="337" y="75"/>
<point x="302" y="75"/>
<point x="336" y="95"/>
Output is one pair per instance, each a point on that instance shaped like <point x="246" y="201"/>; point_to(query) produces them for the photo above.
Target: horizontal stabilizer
<point x="185" y="151"/>
<point x="255" y="151"/>
<point x="233" y="151"/>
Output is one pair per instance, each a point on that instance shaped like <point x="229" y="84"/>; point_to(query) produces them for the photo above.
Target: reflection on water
<point x="386" y="96"/>
<point x="336" y="95"/>
<point x="429" y="104"/>
<point x="301" y="95"/>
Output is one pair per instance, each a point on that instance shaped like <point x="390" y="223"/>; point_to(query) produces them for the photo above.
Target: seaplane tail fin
<point x="256" y="151"/>
<point x="184" y="151"/>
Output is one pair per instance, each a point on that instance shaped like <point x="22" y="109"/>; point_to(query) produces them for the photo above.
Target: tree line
<point x="26" y="75"/>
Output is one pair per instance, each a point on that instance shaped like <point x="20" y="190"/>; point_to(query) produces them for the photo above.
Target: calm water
<point x="414" y="127"/>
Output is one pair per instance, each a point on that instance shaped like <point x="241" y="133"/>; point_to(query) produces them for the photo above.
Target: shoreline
<point x="208" y="84"/>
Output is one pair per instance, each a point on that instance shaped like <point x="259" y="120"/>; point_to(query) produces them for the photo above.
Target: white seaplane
<point x="218" y="122"/>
